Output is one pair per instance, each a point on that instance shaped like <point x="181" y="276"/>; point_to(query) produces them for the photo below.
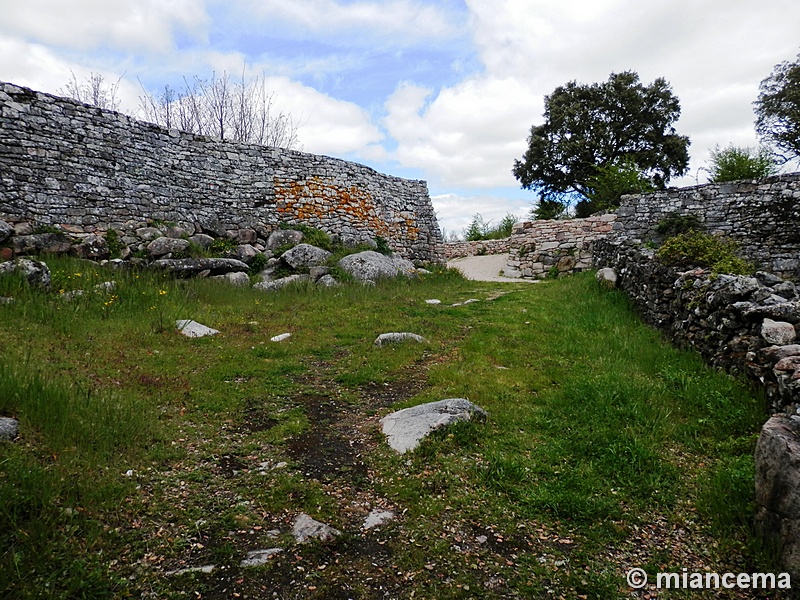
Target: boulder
<point x="35" y="272"/>
<point x="283" y="237"/>
<point x="148" y="234"/>
<point x="202" y="240"/>
<point x="6" y="231"/>
<point x="237" y="278"/>
<point x="778" y="333"/>
<point x="370" y="266"/>
<point x="193" y="267"/>
<point x="194" y="329"/>
<point x="9" y="428"/>
<point x="607" y="277"/>
<point x="327" y="281"/>
<point x="304" y="256"/>
<point x="406" y="428"/>
<point x="396" y="338"/>
<point x="306" y="529"/>
<point x="777" y="465"/>
<point x="52" y="243"/>
<point x="164" y="245"/>
<point x="93" y="247"/>
<point x="246" y="236"/>
<point x="246" y="253"/>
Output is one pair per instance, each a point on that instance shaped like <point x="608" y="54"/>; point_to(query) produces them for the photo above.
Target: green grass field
<point x="143" y="452"/>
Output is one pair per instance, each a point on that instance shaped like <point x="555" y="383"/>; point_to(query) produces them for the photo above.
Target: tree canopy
<point x="735" y="163"/>
<point x="778" y="109"/>
<point x="591" y="127"/>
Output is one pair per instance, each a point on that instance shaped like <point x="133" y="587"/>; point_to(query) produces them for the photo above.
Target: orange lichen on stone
<point x="316" y="198"/>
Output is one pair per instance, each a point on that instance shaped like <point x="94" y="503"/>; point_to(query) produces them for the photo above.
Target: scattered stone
<point x="35" y="272"/>
<point x="281" y="337"/>
<point x="164" y="245"/>
<point x="106" y="286"/>
<point x="607" y="277"/>
<point x="377" y="517"/>
<point x="246" y="253"/>
<point x="93" y="247"/>
<point x="306" y="529"/>
<point x="396" y="338"/>
<point x="370" y="266"/>
<point x="194" y="329"/>
<point x="207" y="569"/>
<point x="6" y="300"/>
<point x="283" y="237"/>
<point x="405" y="428"/>
<point x="237" y="278"/>
<point x="257" y="558"/>
<point x="433" y="301"/>
<point x="327" y="281"/>
<point x="194" y="267"/>
<point x="273" y="286"/>
<point x="778" y="333"/>
<point x="305" y="255"/>
<point x="148" y="234"/>
<point x="9" y="428"/>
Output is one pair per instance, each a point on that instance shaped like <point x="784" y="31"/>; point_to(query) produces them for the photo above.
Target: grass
<point x="144" y="452"/>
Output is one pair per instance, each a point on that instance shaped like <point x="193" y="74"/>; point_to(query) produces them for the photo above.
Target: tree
<point x="93" y="90"/>
<point x="610" y="183"/>
<point x="735" y="163"/>
<point x="243" y="111"/>
<point x="778" y="109"/>
<point x="588" y="127"/>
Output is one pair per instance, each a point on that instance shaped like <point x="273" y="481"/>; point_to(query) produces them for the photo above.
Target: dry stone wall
<point x="85" y="170"/>
<point x="545" y="248"/>
<point x="762" y="216"/>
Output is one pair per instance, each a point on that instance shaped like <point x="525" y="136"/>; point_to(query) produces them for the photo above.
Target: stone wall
<point x="477" y="248"/>
<point x="762" y="216"/>
<point x="70" y="165"/>
<point x="544" y="248"/>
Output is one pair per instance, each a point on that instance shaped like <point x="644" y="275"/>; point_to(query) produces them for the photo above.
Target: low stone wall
<point x="478" y="248"/>
<point x="545" y="248"/>
<point x="741" y="324"/>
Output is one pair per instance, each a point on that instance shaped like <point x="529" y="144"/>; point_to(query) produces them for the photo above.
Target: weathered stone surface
<point x="778" y="333"/>
<point x="377" y="517"/>
<point x="9" y="428"/>
<point x="6" y="231"/>
<point x="304" y="255"/>
<point x="280" y="338"/>
<point x="237" y="278"/>
<point x="36" y="273"/>
<point x="257" y="558"/>
<point x="406" y="428"/>
<point x="37" y="243"/>
<point x="306" y="529"/>
<point x="283" y="237"/>
<point x="164" y="245"/>
<point x="396" y="338"/>
<point x="192" y="267"/>
<point x="148" y="234"/>
<point x="607" y="277"/>
<point x="93" y="247"/>
<point x="327" y="281"/>
<point x="194" y="329"/>
<point x="273" y="286"/>
<point x="246" y="253"/>
<point x="202" y="240"/>
<point x="777" y="462"/>
<point x="370" y="266"/>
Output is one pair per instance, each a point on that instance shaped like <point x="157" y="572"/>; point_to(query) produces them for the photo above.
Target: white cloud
<point x="133" y="25"/>
<point x="387" y="23"/>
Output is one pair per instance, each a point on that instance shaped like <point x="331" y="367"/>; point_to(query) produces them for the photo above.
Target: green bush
<point x="735" y="163"/>
<point x="698" y="249"/>
<point x="674" y="224"/>
<point x="614" y="180"/>
<point x="312" y="235"/>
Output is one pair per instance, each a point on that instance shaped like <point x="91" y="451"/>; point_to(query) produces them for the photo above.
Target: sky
<point x="444" y="91"/>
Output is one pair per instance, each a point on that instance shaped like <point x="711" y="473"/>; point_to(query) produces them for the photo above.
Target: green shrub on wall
<point x="697" y="249"/>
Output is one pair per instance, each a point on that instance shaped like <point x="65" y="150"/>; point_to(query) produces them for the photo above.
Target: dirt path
<point x="485" y="268"/>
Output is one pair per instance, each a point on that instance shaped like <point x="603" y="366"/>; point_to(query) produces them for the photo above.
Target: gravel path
<point x="485" y="268"/>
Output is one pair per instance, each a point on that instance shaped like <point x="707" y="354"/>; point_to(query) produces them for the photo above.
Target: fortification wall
<point x="63" y="163"/>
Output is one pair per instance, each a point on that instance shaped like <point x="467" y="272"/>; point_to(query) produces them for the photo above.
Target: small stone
<point x="396" y="338"/>
<point x="207" y="569"/>
<point x="9" y="428"/>
<point x="778" y="333"/>
<point x="433" y="301"/>
<point x="257" y="558"/>
<point x="306" y="529"/>
<point x="281" y="337"/>
<point x="377" y="517"/>
<point x="194" y="329"/>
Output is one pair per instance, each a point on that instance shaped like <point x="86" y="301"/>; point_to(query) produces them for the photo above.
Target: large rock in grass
<point x="777" y="462"/>
<point x="35" y="272"/>
<point x="306" y="529"/>
<point x="93" y="247"/>
<point x="304" y="256"/>
<point x="9" y="428"/>
<point x="274" y="286"/>
<point x="406" y="428"/>
<point x="371" y="266"/>
<point x="283" y="237"/>
<point x="164" y="245"/>
<point x="192" y="267"/>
